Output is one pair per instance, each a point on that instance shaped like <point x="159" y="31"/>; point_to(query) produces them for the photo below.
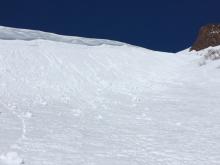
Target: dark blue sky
<point x="165" y="25"/>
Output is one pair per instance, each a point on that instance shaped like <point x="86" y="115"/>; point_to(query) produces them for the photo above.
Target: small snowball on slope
<point x="28" y="115"/>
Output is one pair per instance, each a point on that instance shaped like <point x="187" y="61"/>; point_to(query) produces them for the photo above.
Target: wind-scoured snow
<point x="74" y="104"/>
<point x="7" y="33"/>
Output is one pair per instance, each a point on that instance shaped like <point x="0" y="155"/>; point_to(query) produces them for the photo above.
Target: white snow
<point x="11" y="158"/>
<point x="7" y="33"/>
<point x="101" y="102"/>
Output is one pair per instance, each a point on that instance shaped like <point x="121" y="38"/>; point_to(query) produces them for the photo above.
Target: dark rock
<point x="209" y="35"/>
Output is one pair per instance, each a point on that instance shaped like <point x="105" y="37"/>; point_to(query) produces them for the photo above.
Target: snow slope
<point x="97" y="102"/>
<point x="7" y="33"/>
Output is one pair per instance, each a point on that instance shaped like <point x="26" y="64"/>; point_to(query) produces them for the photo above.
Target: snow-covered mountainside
<point x="76" y="101"/>
<point x="7" y="33"/>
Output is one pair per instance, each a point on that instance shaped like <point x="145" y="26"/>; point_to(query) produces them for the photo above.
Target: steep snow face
<point x="64" y="103"/>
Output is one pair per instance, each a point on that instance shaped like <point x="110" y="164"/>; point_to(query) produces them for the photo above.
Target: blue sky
<point x="165" y="25"/>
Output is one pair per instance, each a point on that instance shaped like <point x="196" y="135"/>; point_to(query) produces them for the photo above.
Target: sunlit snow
<point x="100" y="102"/>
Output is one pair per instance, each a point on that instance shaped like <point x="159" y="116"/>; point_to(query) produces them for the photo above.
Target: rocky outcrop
<point x="209" y="35"/>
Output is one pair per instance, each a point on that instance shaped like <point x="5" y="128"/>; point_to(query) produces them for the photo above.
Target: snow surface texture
<point x="7" y="33"/>
<point x="74" y="104"/>
<point x="209" y="55"/>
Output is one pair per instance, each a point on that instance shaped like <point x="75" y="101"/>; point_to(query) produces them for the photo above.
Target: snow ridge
<point x="7" y="33"/>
